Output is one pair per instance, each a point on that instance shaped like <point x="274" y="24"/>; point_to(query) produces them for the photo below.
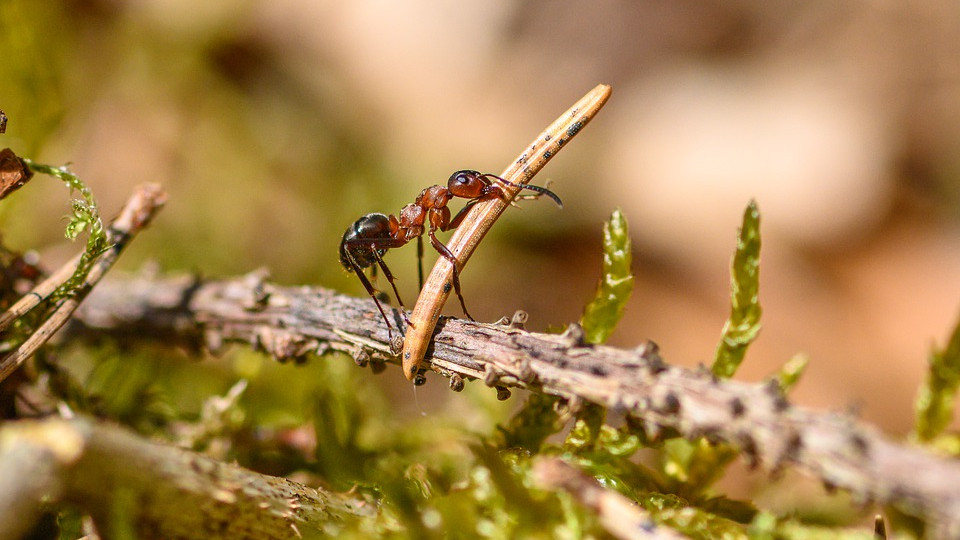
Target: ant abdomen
<point x="370" y="226"/>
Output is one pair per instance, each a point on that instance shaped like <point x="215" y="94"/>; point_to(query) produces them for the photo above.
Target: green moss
<point x="744" y="323"/>
<point x="935" y="399"/>
<point x="616" y="283"/>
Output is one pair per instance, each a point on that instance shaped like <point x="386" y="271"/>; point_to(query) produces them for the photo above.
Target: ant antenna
<point x="538" y="189"/>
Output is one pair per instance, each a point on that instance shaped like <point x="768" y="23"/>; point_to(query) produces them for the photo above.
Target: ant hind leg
<point x="420" y="261"/>
<point x="372" y="292"/>
<point x="448" y="255"/>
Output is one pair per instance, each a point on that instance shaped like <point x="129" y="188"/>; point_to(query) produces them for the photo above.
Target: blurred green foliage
<point x="35" y="44"/>
<point x="937" y="395"/>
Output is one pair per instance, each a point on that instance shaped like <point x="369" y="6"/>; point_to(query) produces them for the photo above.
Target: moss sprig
<point x="85" y="216"/>
<point x="603" y="313"/>
<point x="936" y="397"/>
<point x="744" y="323"/>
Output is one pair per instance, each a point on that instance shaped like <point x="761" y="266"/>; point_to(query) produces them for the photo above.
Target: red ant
<point x="365" y="242"/>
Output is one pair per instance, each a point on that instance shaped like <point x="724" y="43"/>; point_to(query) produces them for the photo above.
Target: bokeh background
<point x="275" y="124"/>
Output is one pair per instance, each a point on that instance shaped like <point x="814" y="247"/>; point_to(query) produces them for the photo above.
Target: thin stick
<point x="166" y="492"/>
<point x="135" y="215"/>
<point x="620" y="516"/>
<point x="39" y="293"/>
<point x="468" y="235"/>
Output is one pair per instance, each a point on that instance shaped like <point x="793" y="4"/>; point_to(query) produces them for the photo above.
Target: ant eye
<point x="460" y="178"/>
<point x="465" y="183"/>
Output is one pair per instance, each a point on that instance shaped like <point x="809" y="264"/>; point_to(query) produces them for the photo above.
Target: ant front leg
<point x="448" y="255"/>
<point x="457" y="219"/>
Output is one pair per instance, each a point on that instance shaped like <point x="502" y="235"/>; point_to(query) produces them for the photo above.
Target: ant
<point x="365" y="242"/>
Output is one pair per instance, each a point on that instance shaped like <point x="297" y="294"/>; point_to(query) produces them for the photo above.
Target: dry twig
<point x="290" y="322"/>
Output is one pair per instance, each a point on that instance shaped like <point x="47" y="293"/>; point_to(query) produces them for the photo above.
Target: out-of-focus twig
<point x="136" y="214"/>
<point x="160" y="491"/>
<point x="621" y="517"/>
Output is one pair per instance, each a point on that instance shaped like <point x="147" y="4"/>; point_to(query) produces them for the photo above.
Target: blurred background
<point x="275" y="124"/>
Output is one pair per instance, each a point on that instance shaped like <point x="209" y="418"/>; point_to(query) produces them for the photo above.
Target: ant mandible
<point x="365" y="242"/>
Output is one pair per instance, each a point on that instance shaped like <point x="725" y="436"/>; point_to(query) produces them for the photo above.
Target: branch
<point x="292" y="322"/>
<point x="160" y="491"/>
<point x="136" y="214"/>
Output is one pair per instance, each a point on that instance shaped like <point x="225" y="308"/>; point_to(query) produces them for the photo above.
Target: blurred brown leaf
<point x="13" y="172"/>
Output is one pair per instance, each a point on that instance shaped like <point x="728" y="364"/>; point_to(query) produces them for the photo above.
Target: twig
<point x="433" y="295"/>
<point x="289" y="322"/>
<point x="160" y="491"/>
<point x="136" y="214"/>
<point x="620" y="516"/>
<point x="38" y="294"/>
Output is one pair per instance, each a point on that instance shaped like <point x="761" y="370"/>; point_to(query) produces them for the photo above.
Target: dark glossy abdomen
<point x="369" y="227"/>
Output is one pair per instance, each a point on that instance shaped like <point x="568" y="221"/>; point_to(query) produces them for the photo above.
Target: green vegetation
<point x="616" y="282"/>
<point x="744" y="323"/>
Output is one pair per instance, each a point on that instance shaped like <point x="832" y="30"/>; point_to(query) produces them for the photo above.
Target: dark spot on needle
<point x="574" y="128"/>
<point x="737" y="407"/>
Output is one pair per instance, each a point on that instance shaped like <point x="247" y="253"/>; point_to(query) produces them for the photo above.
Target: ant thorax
<point x="433" y="197"/>
<point x="412" y="217"/>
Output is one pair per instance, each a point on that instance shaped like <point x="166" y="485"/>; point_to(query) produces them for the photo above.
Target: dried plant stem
<point x="135" y="215"/>
<point x="160" y="491"/>
<point x="436" y="289"/>
<point x="620" y="516"/>
<point x="289" y="322"/>
<point x="37" y="295"/>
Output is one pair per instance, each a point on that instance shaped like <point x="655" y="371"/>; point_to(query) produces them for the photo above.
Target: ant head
<point x="467" y="184"/>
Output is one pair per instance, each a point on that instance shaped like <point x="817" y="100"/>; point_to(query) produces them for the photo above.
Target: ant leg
<point x="448" y="255"/>
<point x="455" y="222"/>
<point x="387" y="274"/>
<point x="532" y="196"/>
<point x="373" y="281"/>
<point x="371" y="291"/>
<point x="420" y="261"/>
